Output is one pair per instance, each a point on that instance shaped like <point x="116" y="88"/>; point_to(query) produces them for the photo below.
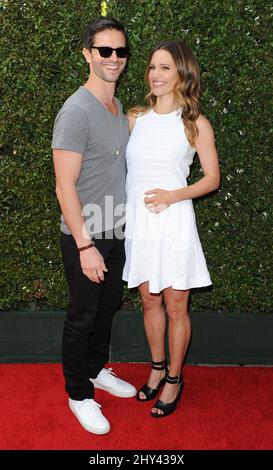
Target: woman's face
<point x="162" y="75"/>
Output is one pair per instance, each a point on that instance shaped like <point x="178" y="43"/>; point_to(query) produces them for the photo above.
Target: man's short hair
<point x="100" y="24"/>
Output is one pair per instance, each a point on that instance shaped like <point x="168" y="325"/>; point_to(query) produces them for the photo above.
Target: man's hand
<point x="159" y="201"/>
<point x="92" y="264"/>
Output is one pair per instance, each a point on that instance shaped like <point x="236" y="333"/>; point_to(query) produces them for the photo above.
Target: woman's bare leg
<point x="179" y="336"/>
<point x="155" y="328"/>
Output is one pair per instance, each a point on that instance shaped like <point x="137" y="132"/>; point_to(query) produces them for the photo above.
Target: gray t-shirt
<point x="85" y="126"/>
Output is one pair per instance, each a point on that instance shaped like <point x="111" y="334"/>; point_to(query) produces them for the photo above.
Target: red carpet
<point x="221" y="408"/>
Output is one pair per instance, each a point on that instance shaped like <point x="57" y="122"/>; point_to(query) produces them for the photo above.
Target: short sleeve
<point x="70" y="130"/>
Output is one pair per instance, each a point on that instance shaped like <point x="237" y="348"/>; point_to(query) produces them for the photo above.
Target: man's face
<point x="107" y="69"/>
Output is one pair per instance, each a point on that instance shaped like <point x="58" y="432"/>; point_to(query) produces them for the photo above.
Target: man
<point x="89" y="140"/>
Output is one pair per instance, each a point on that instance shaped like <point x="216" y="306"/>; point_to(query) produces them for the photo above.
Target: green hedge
<point x="42" y="66"/>
<point x="41" y="44"/>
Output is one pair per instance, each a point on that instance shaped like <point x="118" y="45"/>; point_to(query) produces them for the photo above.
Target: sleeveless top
<point x="163" y="249"/>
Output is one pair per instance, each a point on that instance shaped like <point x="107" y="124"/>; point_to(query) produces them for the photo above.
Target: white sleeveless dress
<point x="163" y="249"/>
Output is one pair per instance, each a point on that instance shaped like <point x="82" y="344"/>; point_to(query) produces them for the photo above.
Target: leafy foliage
<point x="42" y="65"/>
<point x="231" y="43"/>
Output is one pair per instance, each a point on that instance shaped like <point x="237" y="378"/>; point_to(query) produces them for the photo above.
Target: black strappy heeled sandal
<point x="169" y="408"/>
<point x="150" y="393"/>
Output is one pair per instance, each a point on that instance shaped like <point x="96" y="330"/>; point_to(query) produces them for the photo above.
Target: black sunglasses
<point x="106" y="51"/>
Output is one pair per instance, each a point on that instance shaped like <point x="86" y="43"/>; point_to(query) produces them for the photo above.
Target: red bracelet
<point x="87" y="246"/>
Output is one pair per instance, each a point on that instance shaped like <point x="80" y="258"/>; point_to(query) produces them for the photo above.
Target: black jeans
<point x="87" y="327"/>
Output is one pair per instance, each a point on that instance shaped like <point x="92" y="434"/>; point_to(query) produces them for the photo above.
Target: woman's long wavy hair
<point x="187" y="90"/>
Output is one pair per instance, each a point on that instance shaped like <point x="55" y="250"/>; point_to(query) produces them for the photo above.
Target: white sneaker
<point x="108" y="381"/>
<point x="89" y="415"/>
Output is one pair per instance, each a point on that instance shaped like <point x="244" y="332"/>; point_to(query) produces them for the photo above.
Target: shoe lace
<point x="110" y="371"/>
<point x="91" y="405"/>
<point x="113" y="375"/>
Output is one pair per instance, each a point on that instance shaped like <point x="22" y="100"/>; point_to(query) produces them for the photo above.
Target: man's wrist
<point x="87" y="247"/>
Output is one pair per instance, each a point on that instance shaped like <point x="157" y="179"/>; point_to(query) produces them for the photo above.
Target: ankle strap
<point x="173" y="380"/>
<point x="159" y="365"/>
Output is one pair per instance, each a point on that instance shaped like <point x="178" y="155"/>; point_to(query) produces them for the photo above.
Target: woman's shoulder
<point x="134" y="113"/>
<point x="205" y="131"/>
<point x="137" y="111"/>
<point x="203" y="123"/>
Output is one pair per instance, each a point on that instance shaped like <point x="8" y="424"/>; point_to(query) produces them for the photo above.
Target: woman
<point x="164" y="257"/>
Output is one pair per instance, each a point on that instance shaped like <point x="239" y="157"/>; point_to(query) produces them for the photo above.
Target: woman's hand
<point x="159" y="201"/>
